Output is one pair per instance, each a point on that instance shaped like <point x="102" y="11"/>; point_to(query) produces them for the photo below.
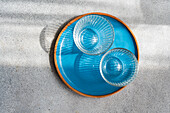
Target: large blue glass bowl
<point x="93" y="34"/>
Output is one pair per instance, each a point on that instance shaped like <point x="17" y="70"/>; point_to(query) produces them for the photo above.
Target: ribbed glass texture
<point x="88" y="65"/>
<point x="118" y="67"/>
<point x="93" y="34"/>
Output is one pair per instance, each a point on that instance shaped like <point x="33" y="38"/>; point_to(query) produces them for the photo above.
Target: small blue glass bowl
<point x="118" y="67"/>
<point x="93" y="34"/>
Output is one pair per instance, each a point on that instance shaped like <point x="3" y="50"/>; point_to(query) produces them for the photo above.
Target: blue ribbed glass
<point x="118" y="67"/>
<point x="86" y="65"/>
<point x="93" y="34"/>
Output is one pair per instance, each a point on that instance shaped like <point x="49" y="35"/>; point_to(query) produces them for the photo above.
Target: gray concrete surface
<point x="27" y="84"/>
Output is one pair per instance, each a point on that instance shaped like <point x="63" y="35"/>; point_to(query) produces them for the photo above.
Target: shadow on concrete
<point x="156" y="12"/>
<point x="66" y="2"/>
<point x="43" y="41"/>
<point x="21" y="86"/>
<point x="33" y="19"/>
<point x="51" y="54"/>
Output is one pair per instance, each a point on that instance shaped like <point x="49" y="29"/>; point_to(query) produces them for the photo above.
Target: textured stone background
<point x="27" y="84"/>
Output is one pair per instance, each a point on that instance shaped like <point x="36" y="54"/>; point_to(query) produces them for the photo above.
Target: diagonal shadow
<point x="51" y="54"/>
<point x="66" y="2"/>
<point x="156" y="11"/>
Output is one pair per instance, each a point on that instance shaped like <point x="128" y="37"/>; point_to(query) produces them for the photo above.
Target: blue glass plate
<point x="66" y="54"/>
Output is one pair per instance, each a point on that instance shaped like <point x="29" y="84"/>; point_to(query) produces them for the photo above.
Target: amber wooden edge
<point x="55" y="48"/>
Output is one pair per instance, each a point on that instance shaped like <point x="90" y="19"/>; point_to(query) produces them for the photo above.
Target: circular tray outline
<point x="55" y="48"/>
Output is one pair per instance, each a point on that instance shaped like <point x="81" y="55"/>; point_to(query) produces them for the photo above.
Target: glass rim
<point x="91" y="52"/>
<point x="134" y="75"/>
